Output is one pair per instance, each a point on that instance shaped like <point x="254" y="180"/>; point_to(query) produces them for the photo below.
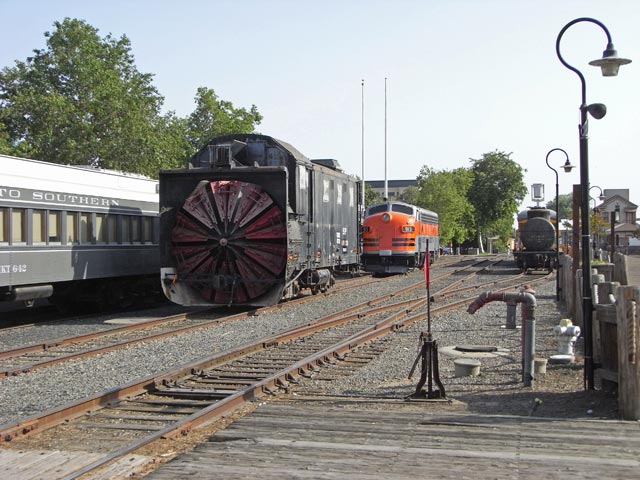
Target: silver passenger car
<point x="76" y="234"/>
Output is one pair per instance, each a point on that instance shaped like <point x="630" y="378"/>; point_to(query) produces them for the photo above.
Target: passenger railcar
<point x="537" y="249"/>
<point x="76" y="234"/>
<point x="252" y="221"/>
<point x="397" y="237"/>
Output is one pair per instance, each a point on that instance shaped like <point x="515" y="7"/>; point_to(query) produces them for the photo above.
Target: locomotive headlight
<point x="386" y="218"/>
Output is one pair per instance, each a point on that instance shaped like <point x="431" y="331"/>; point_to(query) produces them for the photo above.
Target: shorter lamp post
<point x="567" y="168"/>
<point x="601" y="197"/>
<point x="594" y="242"/>
<point x="615" y="218"/>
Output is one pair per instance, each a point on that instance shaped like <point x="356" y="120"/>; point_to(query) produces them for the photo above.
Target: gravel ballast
<point x="43" y="389"/>
<point x="499" y="388"/>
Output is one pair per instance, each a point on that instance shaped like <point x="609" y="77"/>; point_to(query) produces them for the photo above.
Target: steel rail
<point x="14" y="353"/>
<point x="41" y="347"/>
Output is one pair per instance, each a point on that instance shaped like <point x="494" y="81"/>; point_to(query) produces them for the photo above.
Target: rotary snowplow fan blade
<point x="230" y="242"/>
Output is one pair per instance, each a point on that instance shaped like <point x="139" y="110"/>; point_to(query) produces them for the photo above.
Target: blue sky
<point x="464" y="77"/>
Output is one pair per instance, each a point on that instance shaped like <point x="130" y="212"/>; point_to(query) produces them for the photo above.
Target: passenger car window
<point x="85" y="228"/>
<point x="4" y="225"/>
<point x="17" y="226"/>
<point x="54" y="227"/>
<point x="72" y="227"/>
<point x="38" y="226"/>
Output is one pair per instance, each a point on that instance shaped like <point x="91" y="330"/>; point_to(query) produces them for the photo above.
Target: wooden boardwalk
<point x="318" y="439"/>
<point x="55" y="464"/>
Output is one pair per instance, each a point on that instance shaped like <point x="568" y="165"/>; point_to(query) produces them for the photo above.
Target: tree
<point x="5" y="145"/>
<point x="371" y="196"/>
<point x="598" y="228"/>
<point x="445" y="192"/>
<point x="81" y="101"/>
<point x="496" y="191"/>
<point x="172" y="149"/>
<point x="213" y="117"/>
<point x="565" y="205"/>
<point x="410" y="195"/>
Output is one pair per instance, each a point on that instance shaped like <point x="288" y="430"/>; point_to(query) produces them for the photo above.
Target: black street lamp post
<point x="609" y="63"/>
<point x="567" y="168"/>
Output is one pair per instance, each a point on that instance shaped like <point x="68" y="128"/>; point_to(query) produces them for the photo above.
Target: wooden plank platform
<point x="337" y="440"/>
<point x="57" y="464"/>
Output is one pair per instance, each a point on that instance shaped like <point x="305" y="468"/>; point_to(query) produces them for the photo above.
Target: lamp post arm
<point x="557" y="192"/>
<point x="572" y="68"/>
<point x="556" y="173"/>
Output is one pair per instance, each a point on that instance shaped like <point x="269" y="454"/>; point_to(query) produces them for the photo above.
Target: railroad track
<point x="26" y="358"/>
<point x="174" y="403"/>
<point x="25" y="318"/>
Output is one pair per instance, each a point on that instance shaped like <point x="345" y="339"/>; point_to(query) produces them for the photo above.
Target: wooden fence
<point x="616" y="326"/>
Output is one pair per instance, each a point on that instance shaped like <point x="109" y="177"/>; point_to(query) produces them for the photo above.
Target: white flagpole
<point x="362" y="94"/>
<point x="386" y="186"/>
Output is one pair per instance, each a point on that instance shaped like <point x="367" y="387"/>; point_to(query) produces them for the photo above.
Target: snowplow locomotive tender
<point x="252" y="221"/>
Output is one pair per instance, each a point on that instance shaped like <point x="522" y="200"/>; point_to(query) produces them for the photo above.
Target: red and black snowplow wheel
<point x="230" y="242"/>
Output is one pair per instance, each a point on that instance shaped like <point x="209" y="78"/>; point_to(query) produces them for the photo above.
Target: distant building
<point x="394" y="187"/>
<point x="617" y="208"/>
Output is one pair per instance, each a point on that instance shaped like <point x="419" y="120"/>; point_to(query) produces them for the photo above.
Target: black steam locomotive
<point x="537" y="232"/>
<point x="253" y="221"/>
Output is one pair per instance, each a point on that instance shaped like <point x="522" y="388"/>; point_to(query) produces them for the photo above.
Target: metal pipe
<point x="529" y="344"/>
<point x="528" y="324"/>
<point x="486" y="297"/>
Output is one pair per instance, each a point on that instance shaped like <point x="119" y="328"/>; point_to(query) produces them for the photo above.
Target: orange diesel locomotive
<point x="396" y="236"/>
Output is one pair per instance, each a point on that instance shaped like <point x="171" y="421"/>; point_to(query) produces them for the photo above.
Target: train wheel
<point x="230" y="241"/>
<point x="119" y="296"/>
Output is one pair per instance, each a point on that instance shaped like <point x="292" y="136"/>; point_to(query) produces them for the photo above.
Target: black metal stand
<point x="429" y="370"/>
